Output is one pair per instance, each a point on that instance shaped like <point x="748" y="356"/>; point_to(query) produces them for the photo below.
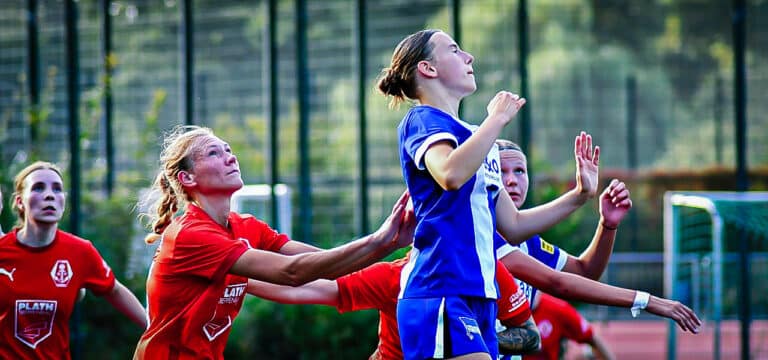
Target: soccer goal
<point x="256" y="200"/>
<point x="701" y="233"/>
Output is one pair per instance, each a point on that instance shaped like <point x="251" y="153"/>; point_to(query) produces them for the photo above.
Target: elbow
<point x="451" y="182"/>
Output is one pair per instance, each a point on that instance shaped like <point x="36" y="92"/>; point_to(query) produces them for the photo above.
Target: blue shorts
<point x="446" y="327"/>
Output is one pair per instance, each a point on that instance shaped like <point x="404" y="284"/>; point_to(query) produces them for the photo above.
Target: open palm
<point x="587" y="164"/>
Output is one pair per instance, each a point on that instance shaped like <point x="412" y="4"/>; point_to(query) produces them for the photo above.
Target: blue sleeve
<point x="545" y="252"/>
<point x="420" y="129"/>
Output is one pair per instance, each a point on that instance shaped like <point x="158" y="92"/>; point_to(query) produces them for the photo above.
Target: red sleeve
<point x="512" y="303"/>
<point x="203" y="252"/>
<point x="261" y="236"/>
<point x="99" y="277"/>
<point x="575" y="327"/>
<point x="375" y="287"/>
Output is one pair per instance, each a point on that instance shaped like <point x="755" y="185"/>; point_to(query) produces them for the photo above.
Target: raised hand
<point x="397" y="230"/>
<point x="506" y="105"/>
<point x="681" y="314"/>
<point x="614" y="203"/>
<point x="587" y="164"/>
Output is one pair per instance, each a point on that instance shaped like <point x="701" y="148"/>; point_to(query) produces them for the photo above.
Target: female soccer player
<point x="198" y="277"/>
<point x="447" y="302"/>
<point x="42" y="270"/>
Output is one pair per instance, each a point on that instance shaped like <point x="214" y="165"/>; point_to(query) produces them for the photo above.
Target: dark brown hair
<point x="399" y="78"/>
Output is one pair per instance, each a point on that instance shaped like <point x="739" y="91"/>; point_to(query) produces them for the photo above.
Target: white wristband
<point x="641" y="301"/>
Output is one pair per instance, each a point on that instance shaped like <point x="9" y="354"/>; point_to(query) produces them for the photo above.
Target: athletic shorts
<point x="446" y="327"/>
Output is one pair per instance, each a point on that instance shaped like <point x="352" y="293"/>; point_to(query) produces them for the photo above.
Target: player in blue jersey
<point x="615" y="202"/>
<point x="447" y="301"/>
<point x="537" y="263"/>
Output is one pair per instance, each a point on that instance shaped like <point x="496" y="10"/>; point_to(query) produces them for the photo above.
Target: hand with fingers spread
<point x="587" y="164"/>
<point x="397" y="229"/>
<point x="685" y="318"/>
<point x="614" y="204"/>
<point x="505" y="105"/>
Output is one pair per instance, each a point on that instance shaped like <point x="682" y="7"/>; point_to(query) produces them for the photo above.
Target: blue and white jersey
<point x="453" y="247"/>
<point x="537" y="248"/>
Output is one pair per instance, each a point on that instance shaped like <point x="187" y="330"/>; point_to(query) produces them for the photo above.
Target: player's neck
<point x="442" y="101"/>
<point x="216" y="206"/>
<point x="37" y="235"/>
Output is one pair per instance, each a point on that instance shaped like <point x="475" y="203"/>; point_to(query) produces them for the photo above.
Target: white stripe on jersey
<point x="483" y="229"/>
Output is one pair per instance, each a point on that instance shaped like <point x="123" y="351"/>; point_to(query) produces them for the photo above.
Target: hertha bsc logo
<point x="61" y="273"/>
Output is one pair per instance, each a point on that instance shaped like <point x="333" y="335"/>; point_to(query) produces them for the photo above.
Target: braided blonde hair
<point x="178" y="147"/>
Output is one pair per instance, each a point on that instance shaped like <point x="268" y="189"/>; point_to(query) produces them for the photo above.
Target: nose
<point x="231" y="158"/>
<point x="470" y="58"/>
<point x="510" y="180"/>
<point x="48" y="195"/>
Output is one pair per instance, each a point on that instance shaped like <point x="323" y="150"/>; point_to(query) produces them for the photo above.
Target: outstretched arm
<point x="320" y="292"/>
<point x="614" y="206"/>
<point x="396" y="232"/>
<point x="126" y="302"/>
<point x="573" y="287"/>
<point x="518" y="225"/>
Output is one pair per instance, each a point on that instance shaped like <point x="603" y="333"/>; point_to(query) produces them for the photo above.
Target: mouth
<point x="236" y="171"/>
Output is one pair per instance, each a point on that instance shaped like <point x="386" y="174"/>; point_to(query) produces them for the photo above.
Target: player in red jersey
<point x="557" y="321"/>
<point x="377" y="287"/>
<point x="198" y="277"/>
<point x="42" y="269"/>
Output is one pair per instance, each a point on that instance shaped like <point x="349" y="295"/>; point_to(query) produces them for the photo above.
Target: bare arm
<point x="573" y="287"/>
<point x="518" y="225"/>
<point x="450" y="167"/>
<point x="614" y="206"/>
<point x="126" y="302"/>
<point x="297" y="247"/>
<point x="321" y="292"/>
<point x="395" y="232"/>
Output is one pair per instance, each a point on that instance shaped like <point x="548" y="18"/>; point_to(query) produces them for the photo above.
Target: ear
<point x="426" y="69"/>
<point x="17" y="203"/>
<point x="186" y="178"/>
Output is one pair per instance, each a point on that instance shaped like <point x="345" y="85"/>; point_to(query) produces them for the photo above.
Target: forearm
<point x="593" y="261"/>
<point x="517" y="226"/>
<point x="453" y="168"/>
<point x="297" y="270"/>
<point x="321" y="292"/>
<point x="297" y="247"/>
<point x="126" y="302"/>
<point x="576" y="288"/>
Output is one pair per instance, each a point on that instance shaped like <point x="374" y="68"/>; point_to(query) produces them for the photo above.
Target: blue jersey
<point x="453" y="247"/>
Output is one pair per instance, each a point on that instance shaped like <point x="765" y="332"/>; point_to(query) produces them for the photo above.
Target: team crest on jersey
<point x="547" y="247"/>
<point x="470" y="325"/>
<point x="545" y="328"/>
<point x="61" y="273"/>
<point x="34" y="320"/>
<point x="216" y="327"/>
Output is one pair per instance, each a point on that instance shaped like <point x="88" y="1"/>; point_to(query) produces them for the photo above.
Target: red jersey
<point x="558" y="320"/>
<point x="38" y="290"/>
<point x="377" y="287"/>
<point x="192" y="298"/>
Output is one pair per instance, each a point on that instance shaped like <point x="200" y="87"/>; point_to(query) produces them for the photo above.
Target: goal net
<point x="702" y="233"/>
